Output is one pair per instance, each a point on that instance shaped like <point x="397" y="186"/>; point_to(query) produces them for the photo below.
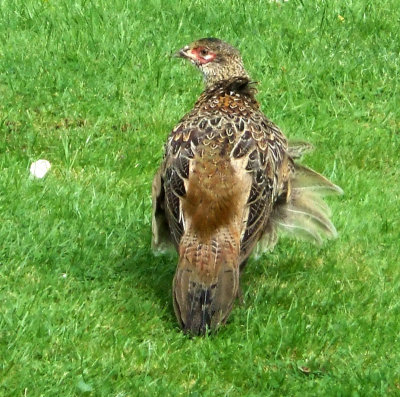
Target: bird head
<point x="216" y="59"/>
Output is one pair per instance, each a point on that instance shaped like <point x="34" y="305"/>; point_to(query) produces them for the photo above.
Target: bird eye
<point x="203" y="52"/>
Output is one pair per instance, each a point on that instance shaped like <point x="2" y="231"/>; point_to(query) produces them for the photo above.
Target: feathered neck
<point x="235" y="85"/>
<point x="223" y="70"/>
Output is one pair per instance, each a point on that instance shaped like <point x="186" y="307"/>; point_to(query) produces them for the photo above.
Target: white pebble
<point x="40" y="168"/>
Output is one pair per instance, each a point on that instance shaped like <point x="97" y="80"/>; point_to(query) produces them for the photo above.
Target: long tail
<point x="206" y="282"/>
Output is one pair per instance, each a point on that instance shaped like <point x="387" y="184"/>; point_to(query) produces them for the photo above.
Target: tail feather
<point x="297" y="149"/>
<point x="205" y="285"/>
<point x="306" y="179"/>
<point x="304" y="214"/>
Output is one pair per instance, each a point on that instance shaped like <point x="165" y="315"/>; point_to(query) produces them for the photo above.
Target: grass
<point x="85" y="307"/>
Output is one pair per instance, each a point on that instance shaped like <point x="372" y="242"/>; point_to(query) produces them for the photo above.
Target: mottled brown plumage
<point x="227" y="182"/>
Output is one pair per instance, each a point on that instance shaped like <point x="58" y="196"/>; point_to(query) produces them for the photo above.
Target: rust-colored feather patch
<point x="213" y="196"/>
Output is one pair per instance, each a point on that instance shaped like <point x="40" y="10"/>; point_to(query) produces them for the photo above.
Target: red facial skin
<point x="202" y="55"/>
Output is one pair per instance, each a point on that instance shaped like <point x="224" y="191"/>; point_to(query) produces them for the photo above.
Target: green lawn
<point x="85" y="307"/>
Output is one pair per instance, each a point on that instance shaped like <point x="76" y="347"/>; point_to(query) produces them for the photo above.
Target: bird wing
<point x="169" y="186"/>
<point x="161" y="237"/>
<point x="263" y="147"/>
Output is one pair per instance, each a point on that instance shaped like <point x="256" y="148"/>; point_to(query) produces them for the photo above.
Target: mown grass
<point x="85" y="306"/>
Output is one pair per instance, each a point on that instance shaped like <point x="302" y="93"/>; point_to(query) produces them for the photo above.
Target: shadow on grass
<point x="151" y="274"/>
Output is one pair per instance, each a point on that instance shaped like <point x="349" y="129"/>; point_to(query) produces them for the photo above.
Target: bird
<point x="229" y="183"/>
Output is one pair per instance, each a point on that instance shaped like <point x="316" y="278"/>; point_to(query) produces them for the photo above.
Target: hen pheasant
<point x="228" y="181"/>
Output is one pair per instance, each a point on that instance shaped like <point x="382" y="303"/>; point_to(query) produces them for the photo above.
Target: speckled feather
<point x="228" y="181"/>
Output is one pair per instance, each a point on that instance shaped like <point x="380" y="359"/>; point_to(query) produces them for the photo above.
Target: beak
<point x="183" y="52"/>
